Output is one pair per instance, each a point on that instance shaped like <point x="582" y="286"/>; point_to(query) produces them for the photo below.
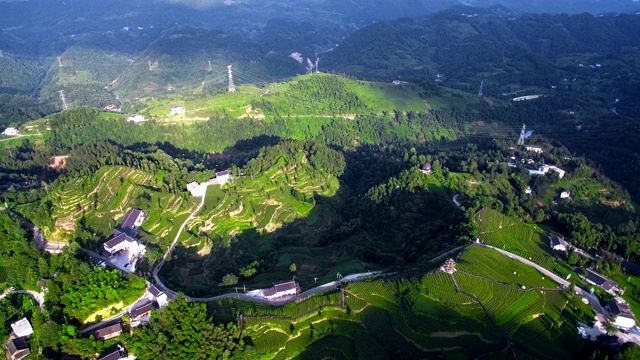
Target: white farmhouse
<point x="136" y="118"/>
<point x="22" y="328"/>
<point x="223" y="177"/>
<point x="196" y="190"/>
<point x="558" y="243"/>
<point x="11" y="131"/>
<point x="623" y="316"/>
<point x="157" y="295"/>
<point x="535" y="149"/>
<point x="546" y="168"/>
<point x="282" y="289"/>
<point x="177" y="110"/>
<point x="527" y="97"/>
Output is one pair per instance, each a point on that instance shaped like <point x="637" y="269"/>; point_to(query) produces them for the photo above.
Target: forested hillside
<point x="499" y="48"/>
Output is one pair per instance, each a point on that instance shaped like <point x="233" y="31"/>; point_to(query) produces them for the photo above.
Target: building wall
<point x="282" y="293"/>
<point x="624" y="322"/>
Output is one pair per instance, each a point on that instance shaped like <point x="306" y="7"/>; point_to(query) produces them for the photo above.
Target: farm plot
<point x="524" y="240"/>
<point x="422" y="318"/>
<point x="238" y="220"/>
<point x="394" y="317"/>
<point x="482" y="261"/>
<point x="110" y="193"/>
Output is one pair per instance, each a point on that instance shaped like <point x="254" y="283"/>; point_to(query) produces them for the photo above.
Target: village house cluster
<point x="621" y="315"/>
<point x="17" y="346"/>
<point x="139" y="314"/>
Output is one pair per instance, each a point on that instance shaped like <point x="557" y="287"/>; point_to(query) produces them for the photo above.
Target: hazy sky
<point x="198" y="3"/>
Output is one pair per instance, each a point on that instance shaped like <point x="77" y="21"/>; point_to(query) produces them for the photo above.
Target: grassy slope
<point x="414" y="318"/>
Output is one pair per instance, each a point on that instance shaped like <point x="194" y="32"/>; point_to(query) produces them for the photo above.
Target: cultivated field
<point x="251" y="215"/>
<point x="110" y="193"/>
<point x="522" y="239"/>
<point x="418" y="318"/>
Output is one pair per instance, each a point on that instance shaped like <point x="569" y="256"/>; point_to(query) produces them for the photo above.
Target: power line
<point x="232" y="87"/>
<point x="64" y="101"/>
<point x="522" y="135"/>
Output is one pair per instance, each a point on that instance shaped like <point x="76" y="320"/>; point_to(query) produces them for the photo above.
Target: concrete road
<point x="51" y="247"/>
<point x="592" y="298"/>
<point x="173" y="244"/>
<point x="38" y="297"/>
<point x="455" y="200"/>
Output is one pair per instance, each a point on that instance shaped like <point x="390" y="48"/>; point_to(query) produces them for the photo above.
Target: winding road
<point x="237" y="295"/>
<point x="38" y="297"/>
<point x="50" y="247"/>
<point x="173" y="244"/>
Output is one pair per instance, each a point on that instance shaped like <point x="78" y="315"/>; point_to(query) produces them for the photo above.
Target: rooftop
<point x="109" y="330"/>
<point x="22" y="328"/>
<point x="600" y="280"/>
<point x="118" y="353"/>
<point x="118" y="239"/>
<point x="130" y="219"/>
<point x="281" y="287"/>
<point x="18" y="348"/>
<point x="555" y="241"/>
<point x="141" y="310"/>
<point x="153" y="290"/>
<point x="222" y="173"/>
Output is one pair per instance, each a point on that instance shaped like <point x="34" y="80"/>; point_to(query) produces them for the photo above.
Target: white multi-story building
<point x="136" y="118"/>
<point x="177" y="110"/>
<point x="11" y="131"/>
<point x="546" y="168"/>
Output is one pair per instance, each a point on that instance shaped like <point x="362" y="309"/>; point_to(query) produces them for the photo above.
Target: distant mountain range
<point x="150" y="49"/>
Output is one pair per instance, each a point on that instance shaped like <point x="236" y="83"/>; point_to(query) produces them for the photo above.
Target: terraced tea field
<point x="238" y="217"/>
<point x="522" y="239"/>
<point x="481" y="261"/>
<point x="418" y="318"/>
<point x="263" y="202"/>
<point x="111" y="192"/>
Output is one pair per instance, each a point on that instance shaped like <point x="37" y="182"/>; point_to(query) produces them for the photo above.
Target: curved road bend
<point x="38" y="297"/>
<point x="236" y="295"/>
<point x="51" y="247"/>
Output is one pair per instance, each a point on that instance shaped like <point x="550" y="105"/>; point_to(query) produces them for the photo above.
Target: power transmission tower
<point x="481" y="88"/>
<point x="150" y="68"/>
<point x="523" y="132"/>
<point x="209" y="65"/>
<point x="59" y="62"/>
<point x="232" y="87"/>
<point x="64" y="101"/>
<point x="317" y="60"/>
